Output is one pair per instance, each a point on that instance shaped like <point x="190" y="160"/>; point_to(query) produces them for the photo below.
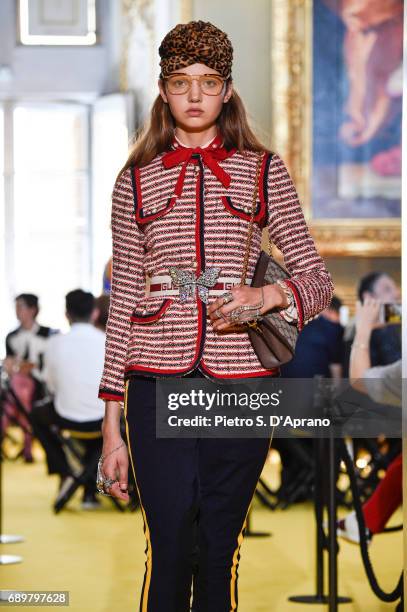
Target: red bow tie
<point x="209" y="155"/>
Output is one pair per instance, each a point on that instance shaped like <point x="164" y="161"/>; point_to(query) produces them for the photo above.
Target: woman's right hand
<point x="115" y="464"/>
<point x="367" y="316"/>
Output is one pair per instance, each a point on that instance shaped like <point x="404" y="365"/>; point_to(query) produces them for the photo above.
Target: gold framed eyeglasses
<point x="210" y="84"/>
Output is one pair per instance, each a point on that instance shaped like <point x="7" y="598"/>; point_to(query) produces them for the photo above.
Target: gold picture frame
<point x="291" y="99"/>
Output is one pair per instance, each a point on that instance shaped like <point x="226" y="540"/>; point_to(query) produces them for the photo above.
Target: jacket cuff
<point x="298" y="304"/>
<point x="108" y="394"/>
<point x="290" y="312"/>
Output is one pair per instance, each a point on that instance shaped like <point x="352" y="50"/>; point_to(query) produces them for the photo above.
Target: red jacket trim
<point x="111" y="395"/>
<point x="141" y="216"/>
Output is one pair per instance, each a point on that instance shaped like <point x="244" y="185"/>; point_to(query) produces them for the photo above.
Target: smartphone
<point x="390" y="313"/>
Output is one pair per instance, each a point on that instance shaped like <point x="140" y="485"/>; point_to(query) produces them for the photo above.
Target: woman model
<point x="180" y="216"/>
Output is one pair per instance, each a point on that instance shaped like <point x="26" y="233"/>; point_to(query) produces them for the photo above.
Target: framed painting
<point x="337" y="90"/>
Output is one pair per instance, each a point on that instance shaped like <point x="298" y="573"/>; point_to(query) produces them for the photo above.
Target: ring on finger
<point x="227" y="297"/>
<point x="234" y="315"/>
<point x="108" y="483"/>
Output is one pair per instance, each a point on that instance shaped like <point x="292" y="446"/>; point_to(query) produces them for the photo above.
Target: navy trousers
<point x="195" y="495"/>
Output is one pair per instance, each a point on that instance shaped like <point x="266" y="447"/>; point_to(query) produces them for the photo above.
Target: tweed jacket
<point x="206" y="226"/>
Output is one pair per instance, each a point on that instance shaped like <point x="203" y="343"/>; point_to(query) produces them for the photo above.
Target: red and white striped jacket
<point x="194" y="220"/>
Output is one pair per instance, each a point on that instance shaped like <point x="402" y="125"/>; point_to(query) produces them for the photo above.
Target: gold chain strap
<point x="251" y="226"/>
<point x="251" y="223"/>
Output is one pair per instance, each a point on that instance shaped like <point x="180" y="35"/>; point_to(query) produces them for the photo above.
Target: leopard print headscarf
<point x="196" y="42"/>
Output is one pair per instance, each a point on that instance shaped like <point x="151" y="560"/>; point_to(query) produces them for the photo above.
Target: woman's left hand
<point x="274" y="296"/>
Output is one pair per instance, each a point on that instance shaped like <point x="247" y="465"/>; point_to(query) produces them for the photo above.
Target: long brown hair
<point x="158" y="133"/>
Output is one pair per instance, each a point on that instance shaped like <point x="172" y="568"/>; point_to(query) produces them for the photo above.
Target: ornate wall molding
<point x="136" y="15"/>
<point x="361" y="241"/>
<point x="291" y="88"/>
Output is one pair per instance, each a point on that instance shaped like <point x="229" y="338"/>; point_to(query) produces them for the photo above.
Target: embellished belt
<point x="183" y="283"/>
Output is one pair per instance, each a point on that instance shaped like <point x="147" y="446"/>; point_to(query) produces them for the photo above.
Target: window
<point x="62" y="22"/>
<point x="58" y="162"/>
<point x="45" y="212"/>
<point x="51" y="202"/>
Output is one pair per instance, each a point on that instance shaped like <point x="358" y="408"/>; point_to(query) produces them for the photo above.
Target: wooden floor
<point x="98" y="556"/>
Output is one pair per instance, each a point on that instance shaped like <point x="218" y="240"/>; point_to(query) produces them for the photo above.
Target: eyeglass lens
<point x="180" y="84"/>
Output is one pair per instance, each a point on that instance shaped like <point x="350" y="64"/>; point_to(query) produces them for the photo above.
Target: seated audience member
<point x="25" y="347"/>
<point x="319" y="346"/>
<point x="318" y="351"/>
<point x="385" y="339"/>
<point x="73" y="367"/>
<point x="383" y="384"/>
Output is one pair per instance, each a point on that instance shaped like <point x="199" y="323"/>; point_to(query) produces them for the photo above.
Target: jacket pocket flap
<point x="149" y="211"/>
<point x="150" y="310"/>
<point x="243" y="208"/>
